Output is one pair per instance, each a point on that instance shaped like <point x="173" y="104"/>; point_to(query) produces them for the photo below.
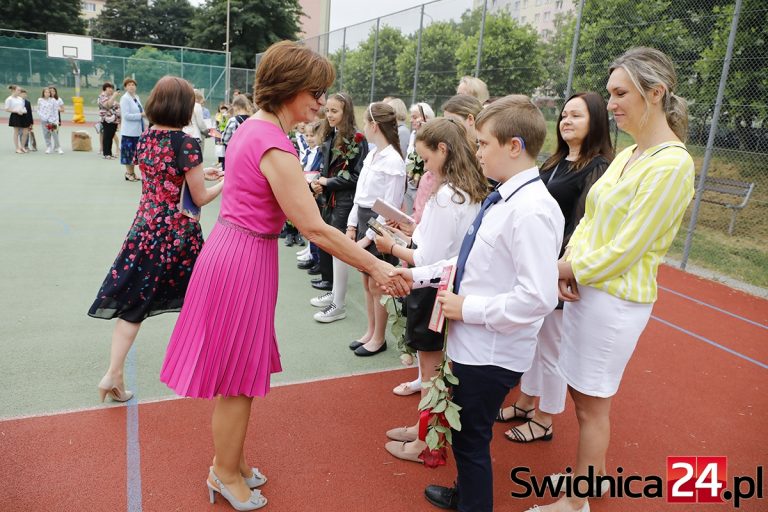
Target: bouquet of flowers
<point x="348" y="151"/>
<point x="438" y="416"/>
<point x="51" y="127"/>
<point x="414" y="166"/>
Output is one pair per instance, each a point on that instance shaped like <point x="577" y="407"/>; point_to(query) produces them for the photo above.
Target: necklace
<point x="281" y="123"/>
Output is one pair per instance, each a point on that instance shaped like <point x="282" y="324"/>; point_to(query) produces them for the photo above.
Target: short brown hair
<point x="105" y="86"/>
<point x="285" y="70"/>
<point x="515" y="116"/>
<point x="463" y="105"/>
<point x="171" y="102"/>
<point x="129" y="80"/>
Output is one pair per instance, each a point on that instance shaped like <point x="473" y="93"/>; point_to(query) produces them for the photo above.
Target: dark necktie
<point x="305" y="159"/>
<point x="469" y="238"/>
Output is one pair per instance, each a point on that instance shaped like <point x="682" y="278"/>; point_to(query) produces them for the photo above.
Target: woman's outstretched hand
<point x="392" y="281"/>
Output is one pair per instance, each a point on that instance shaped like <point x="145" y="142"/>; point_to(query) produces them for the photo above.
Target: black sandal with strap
<point x="516" y="416"/>
<point x="518" y="436"/>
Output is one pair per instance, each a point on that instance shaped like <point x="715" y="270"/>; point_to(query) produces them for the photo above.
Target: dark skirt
<point x="128" y="150"/>
<point x="418" y="307"/>
<point x="17" y="121"/>
<point x="363" y="214"/>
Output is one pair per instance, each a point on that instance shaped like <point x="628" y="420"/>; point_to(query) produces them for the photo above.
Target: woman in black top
<point x="582" y="156"/>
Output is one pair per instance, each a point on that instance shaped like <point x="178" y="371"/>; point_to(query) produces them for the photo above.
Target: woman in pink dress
<point x="224" y="342"/>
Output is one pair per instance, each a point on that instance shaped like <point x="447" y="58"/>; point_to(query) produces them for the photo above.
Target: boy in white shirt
<point x="506" y="283"/>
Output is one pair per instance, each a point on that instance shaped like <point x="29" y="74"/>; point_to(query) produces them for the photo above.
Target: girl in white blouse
<point x="382" y="177"/>
<point x="48" y="111"/>
<point x="447" y="153"/>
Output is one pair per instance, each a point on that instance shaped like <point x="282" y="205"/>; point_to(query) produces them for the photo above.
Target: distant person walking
<point x="133" y="125"/>
<point x="152" y="269"/>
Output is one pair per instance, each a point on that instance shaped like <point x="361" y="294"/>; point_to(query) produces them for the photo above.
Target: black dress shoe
<point x="305" y="265"/>
<point x="314" y="269"/>
<point x="299" y="240"/>
<point x="290" y="240"/>
<point x="322" y="285"/>
<point x="443" y="497"/>
<point x="364" y="352"/>
<point x="316" y="279"/>
<point x="355" y="344"/>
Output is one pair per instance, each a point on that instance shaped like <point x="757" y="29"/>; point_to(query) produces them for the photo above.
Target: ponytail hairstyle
<point x="461" y="170"/>
<point x="384" y="116"/>
<point x="346" y="128"/>
<point x="649" y="68"/>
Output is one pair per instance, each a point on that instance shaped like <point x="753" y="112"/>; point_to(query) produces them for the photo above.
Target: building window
<point x="89" y="6"/>
<point x="546" y="16"/>
<point x="558" y="4"/>
<point x="517" y="5"/>
<point x="522" y="19"/>
<point x="525" y="4"/>
<point x="536" y="18"/>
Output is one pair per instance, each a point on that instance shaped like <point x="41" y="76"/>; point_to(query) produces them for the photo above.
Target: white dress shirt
<point x="443" y="224"/>
<point x="382" y="177"/>
<point x="510" y="278"/>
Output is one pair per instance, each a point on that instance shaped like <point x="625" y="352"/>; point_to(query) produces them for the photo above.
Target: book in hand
<point x="437" y="320"/>
<point x="186" y="205"/>
<point x="389" y="212"/>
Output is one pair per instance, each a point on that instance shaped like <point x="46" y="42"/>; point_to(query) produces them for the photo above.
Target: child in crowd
<point x="382" y="177"/>
<point x="48" y="111"/>
<point x="505" y="284"/>
<point x="449" y="156"/>
<point x="220" y="123"/>
<point x="242" y="110"/>
<point x="309" y="257"/>
<point x="29" y="122"/>
<point x="15" y="105"/>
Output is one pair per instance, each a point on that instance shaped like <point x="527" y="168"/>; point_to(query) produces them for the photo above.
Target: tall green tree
<point x="437" y="65"/>
<point x="254" y="26"/>
<point x="511" y="60"/>
<point x="358" y="65"/>
<point x="170" y="21"/>
<point x="557" y="55"/>
<point x="42" y="16"/>
<point x="746" y="95"/>
<point x="124" y="20"/>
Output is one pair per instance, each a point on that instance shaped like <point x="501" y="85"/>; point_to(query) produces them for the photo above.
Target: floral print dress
<point x="152" y="270"/>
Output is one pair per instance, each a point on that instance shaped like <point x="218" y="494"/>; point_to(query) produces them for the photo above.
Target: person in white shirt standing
<point x="506" y="283"/>
<point x="461" y="187"/>
<point x="382" y="177"/>
<point x="48" y="111"/>
<point x="15" y="105"/>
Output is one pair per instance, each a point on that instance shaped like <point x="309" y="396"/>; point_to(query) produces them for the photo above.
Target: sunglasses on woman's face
<point x="319" y="93"/>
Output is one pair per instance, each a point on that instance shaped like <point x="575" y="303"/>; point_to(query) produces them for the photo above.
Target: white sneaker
<point x="304" y="257"/>
<point x="61" y="151"/>
<point x="302" y="252"/>
<point x="331" y="313"/>
<point x="322" y="301"/>
<point x="47" y="151"/>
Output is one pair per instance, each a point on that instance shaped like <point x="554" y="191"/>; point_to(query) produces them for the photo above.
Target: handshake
<point x="393" y="281"/>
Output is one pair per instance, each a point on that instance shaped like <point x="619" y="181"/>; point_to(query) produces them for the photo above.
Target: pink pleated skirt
<point x="224" y="341"/>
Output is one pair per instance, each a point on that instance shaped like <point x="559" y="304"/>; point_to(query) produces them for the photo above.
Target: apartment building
<point x="540" y="14"/>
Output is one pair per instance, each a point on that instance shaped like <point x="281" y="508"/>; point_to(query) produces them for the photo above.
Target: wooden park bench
<point x="733" y="194"/>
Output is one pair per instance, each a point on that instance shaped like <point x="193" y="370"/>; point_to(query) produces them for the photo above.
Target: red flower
<point x="433" y="458"/>
<point x="358" y="137"/>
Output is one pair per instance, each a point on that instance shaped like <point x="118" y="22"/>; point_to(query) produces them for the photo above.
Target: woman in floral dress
<point x="152" y="270"/>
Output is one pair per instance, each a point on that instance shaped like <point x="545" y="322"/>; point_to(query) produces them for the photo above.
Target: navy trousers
<point x="480" y="394"/>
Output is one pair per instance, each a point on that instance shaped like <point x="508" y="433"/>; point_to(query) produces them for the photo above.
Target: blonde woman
<point x="608" y="273"/>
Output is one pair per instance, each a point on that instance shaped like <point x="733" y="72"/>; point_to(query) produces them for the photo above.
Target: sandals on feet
<point x="519" y="414"/>
<point x="518" y="436"/>
<point x="131" y="177"/>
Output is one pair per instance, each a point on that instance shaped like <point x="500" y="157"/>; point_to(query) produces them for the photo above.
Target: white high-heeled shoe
<point x="257" y="479"/>
<point x="255" y="500"/>
<point x="108" y="387"/>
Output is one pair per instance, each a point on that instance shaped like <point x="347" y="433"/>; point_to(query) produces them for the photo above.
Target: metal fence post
<point x="574" y="47"/>
<point x="480" y="42"/>
<point x="182" y="63"/>
<point x="29" y="56"/>
<point x="343" y="55"/>
<point x="375" y="56"/>
<point x="418" y="57"/>
<point x="712" y="133"/>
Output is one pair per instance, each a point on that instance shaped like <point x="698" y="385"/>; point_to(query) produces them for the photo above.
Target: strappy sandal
<point x="520" y="414"/>
<point x="519" y="437"/>
<point x="131" y="177"/>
